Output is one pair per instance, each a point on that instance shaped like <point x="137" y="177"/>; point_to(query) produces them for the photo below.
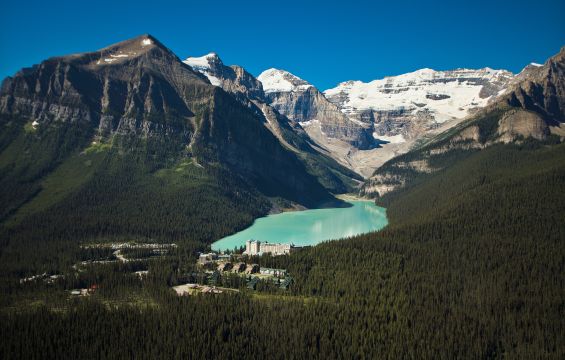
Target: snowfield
<point x="445" y="94"/>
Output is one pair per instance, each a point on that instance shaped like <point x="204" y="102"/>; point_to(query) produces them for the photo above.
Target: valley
<point x="429" y="224"/>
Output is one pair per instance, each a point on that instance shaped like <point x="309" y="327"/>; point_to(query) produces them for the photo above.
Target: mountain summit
<point x="281" y="80"/>
<point x="133" y="116"/>
<point x="249" y="91"/>
<point x="409" y="104"/>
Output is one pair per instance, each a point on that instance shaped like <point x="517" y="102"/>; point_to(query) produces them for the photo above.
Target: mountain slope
<point x="132" y="120"/>
<point x="541" y="88"/>
<point x="531" y="108"/>
<point x="302" y="102"/>
<point x="249" y="91"/>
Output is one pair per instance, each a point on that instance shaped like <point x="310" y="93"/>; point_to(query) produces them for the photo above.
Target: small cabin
<point x="204" y="259"/>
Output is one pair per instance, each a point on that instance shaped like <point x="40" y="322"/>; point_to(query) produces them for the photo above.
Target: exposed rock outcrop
<point x="138" y="96"/>
<point x="518" y="123"/>
<point x="302" y="102"/>
<point x="541" y="88"/>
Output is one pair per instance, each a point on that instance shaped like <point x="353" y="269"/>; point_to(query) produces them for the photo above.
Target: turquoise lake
<point x="310" y="227"/>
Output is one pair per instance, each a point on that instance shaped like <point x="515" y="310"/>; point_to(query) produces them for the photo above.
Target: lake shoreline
<point x="279" y="209"/>
<point x="310" y="226"/>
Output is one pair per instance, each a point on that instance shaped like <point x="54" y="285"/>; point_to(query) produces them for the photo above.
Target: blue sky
<point x="324" y="42"/>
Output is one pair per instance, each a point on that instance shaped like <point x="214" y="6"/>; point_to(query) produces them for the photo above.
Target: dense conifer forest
<point x="472" y="265"/>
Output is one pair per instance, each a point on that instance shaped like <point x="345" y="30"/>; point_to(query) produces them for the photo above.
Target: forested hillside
<point x="129" y="142"/>
<point x="471" y="265"/>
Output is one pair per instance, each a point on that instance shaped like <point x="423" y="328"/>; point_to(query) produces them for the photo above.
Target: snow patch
<point x="308" y="123"/>
<point x="394" y="139"/>
<point x="146" y="42"/>
<point x="200" y="63"/>
<point x="203" y="65"/>
<point x="213" y="80"/>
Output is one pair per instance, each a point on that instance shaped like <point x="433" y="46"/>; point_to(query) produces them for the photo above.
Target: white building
<point x="255" y="247"/>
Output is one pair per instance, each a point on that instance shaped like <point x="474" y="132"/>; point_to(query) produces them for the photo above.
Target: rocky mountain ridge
<point x="137" y="98"/>
<point x="300" y="101"/>
<point x="362" y="125"/>
<point x="406" y="106"/>
<point x="250" y="92"/>
<point x="531" y="107"/>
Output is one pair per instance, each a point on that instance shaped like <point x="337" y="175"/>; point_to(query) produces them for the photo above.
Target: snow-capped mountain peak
<point x="204" y="65"/>
<point x="202" y="62"/>
<point x="275" y="80"/>
<point x="438" y="95"/>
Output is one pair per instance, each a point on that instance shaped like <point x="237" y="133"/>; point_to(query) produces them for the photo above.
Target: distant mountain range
<point x="361" y="125"/>
<point x="276" y="137"/>
<point x="532" y="106"/>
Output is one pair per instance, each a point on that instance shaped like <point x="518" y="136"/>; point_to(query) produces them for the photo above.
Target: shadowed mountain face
<point x="139" y="108"/>
<point x="541" y="89"/>
<point x="249" y="92"/>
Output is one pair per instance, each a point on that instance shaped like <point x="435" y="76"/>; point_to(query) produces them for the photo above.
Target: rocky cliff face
<point x="233" y="79"/>
<point x="302" y="102"/>
<point x="132" y="86"/>
<point x="139" y="96"/>
<point x="249" y="91"/>
<point x="407" y="106"/>
<point x="541" y="88"/>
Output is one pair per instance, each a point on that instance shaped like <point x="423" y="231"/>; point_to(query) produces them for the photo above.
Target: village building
<point x="273" y="272"/>
<point x="204" y="259"/>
